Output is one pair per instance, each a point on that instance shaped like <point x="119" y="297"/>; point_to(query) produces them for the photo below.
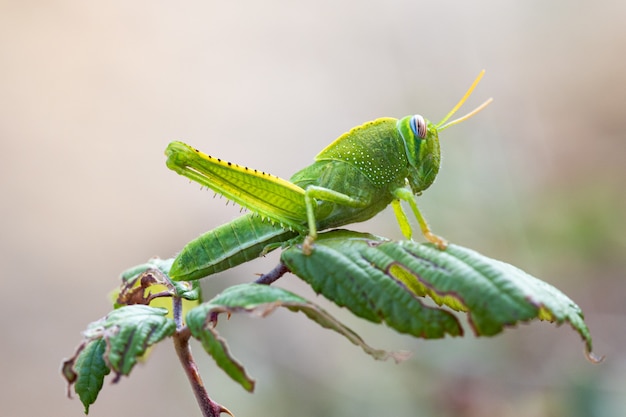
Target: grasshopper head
<point x="421" y="141"/>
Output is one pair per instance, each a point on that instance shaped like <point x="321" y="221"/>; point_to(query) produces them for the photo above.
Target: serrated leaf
<point x="114" y="343"/>
<point x="86" y="371"/>
<point x="345" y="268"/>
<point x="129" y="331"/>
<point x="372" y="277"/>
<point x="261" y="300"/>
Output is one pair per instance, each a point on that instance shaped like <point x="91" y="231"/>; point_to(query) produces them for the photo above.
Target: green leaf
<point x="188" y="290"/>
<point x="261" y="300"/>
<point x="217" y="347"/>
<point x="129" y="331"/>
<point x="346" y="268"/>
<point x="87" y="370"/>
<point x="382" y="280"/>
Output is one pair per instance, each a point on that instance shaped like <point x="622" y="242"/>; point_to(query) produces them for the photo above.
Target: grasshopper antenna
<point x="443" y="125"/>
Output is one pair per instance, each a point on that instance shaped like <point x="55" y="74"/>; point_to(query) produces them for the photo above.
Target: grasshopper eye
<point x="418" y="125"/>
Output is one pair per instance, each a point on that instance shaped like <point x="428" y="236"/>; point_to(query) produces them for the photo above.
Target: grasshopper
<point x="382" y="162"/>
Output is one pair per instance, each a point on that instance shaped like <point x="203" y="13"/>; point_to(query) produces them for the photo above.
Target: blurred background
<point x="92" y="92"/>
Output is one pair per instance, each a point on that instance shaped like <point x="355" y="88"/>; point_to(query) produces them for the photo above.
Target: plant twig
<point x="177" y="307"/>
<point x="208" y="407"/>
<point x="278" y="271"/>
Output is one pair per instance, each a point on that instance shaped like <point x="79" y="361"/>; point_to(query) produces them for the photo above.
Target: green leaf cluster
<point x="379" y="280"/>
<point x="383" y="280"/>
<point x="114" y="343"/>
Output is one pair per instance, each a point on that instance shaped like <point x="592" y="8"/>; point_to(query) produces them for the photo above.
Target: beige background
<point x="91" y="93"/>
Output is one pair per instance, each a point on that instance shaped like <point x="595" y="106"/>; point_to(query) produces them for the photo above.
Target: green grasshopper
<point x="382" y="162"/>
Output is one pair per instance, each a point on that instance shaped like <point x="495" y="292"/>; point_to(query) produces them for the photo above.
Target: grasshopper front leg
<point x="406" y="195"/>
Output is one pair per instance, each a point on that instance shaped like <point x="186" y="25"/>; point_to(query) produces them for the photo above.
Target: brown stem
<point x="208" y="407"/>
<point x="278" y="271"/>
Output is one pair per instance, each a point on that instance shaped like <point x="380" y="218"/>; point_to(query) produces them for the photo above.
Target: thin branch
<point x="278" y="271"/>
<point x="178" y="312"/>
<point x="208" y="407"/>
